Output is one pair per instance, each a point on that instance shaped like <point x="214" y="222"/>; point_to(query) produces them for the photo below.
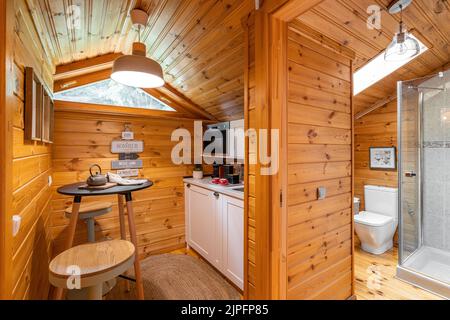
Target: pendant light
<point x="136" y="70"/>
<point x="403" y="46"/>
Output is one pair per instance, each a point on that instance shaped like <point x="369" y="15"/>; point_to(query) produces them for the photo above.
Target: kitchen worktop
<point x="226" y="190"/>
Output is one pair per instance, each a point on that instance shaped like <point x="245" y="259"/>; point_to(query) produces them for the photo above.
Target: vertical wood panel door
<point x="233" y="240"/>
<point x="202" y="222"/>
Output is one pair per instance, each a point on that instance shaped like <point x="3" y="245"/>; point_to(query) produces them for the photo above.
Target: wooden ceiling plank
<point x="189" y="36"/>
<point x="206" y="30"/>
<point x="180" y="35"/>
<point x="211" y="70"/>
<point x="208" y="52"/>
<point x="177" y="28"/>
<point x="211" y="78"/>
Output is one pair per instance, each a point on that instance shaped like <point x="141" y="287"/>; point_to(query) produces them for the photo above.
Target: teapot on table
<point x="97" y="179"/>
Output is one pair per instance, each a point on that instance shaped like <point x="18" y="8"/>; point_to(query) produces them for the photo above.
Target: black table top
<point x="73" y="190"/>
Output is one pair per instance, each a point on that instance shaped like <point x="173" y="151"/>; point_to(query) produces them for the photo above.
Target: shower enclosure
<point x="424" y="182"/>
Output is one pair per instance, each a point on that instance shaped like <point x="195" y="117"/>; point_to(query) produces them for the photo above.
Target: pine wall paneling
<point x="250" y="120"/>
<point x="31" y="167"/>
<point x="83" y="139"/>
<point x="319" y="115"/>
<point x="303" y="246"/>
<point x="376" y="129"/>
<point x="6" y="98"/>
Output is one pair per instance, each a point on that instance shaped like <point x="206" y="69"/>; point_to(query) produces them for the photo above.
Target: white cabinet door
<point x="201" y="210"/>
<point x="233" y="240"/>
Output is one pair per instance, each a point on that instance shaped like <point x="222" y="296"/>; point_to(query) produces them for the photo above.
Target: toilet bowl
<point x="376" y="226"/>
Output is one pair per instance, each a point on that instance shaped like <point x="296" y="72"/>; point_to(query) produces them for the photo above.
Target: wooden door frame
<point x="271" y="23"/>
<point x="6" y="142"/>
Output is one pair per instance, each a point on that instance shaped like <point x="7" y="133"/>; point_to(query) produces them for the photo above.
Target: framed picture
<point x="47" y="118"/>
<point x="383" y="158"/>
<point x="39" y="110"/>
<point x="33" y="106"/>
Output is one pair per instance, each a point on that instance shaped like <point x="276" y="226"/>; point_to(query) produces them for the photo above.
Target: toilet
<point x="376" y="226"/>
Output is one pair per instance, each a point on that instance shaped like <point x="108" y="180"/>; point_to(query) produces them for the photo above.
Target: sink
<point x="239" y="189"/>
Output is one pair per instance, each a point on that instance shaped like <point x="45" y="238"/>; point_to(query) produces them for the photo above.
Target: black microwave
<point x="217" y="134"/>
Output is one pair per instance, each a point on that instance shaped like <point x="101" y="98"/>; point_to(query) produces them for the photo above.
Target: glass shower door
<point x="409" y="170"/>
<point x="424" y="182"/>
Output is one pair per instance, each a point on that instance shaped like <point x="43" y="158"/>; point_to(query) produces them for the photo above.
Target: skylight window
<point x="377" y="69"/>
<point x="109" y="92"/>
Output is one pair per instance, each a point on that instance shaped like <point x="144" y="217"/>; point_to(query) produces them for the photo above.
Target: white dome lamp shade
<point x="403" y="46"/>
<point x="136" y="70"/>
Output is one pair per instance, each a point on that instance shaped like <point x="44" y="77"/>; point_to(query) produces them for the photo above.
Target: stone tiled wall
<point x="436" y="163"/>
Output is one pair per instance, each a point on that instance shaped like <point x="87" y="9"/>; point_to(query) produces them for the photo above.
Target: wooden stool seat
<point x="88" y="212"/>
<point x="93" y="263"/>
<point x="91" y="209"/>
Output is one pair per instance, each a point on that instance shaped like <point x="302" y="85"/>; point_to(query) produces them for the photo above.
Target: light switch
<point x="321" y="193"/>
<point x="16" y="224"/>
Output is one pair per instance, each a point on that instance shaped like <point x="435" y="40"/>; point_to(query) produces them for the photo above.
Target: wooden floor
<point x="375" y="279"/>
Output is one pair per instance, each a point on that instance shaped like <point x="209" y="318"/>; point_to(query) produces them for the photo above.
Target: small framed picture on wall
<point x="383" y="158"/>
<point x="34" y="101"/>
<point x="39" y="110"/>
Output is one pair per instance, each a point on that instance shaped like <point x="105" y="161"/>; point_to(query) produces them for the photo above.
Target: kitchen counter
<point x="226" y="190"/>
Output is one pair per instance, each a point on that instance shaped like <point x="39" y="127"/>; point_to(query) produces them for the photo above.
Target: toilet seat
<point x="372" y="219"/>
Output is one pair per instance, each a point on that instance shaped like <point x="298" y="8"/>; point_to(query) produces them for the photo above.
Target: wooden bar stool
<point x="88" y="212"/>
<point x="90" y="265"/>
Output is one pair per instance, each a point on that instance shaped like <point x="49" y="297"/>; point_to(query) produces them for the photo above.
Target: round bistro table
<point x="75" y="191"/>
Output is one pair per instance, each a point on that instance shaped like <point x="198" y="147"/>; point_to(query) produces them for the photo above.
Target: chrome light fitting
<point x="403" y="46"/>
<point x="136" y="70"/>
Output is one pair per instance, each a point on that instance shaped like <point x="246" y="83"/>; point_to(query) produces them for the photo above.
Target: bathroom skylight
<point x="109" y="92"/>
<point x="377" y="69"/>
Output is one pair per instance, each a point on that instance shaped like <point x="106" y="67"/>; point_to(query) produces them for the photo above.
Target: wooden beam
<point x="86" y="66"/>
<point x="323" y="40"/>
<point x="186" y="106"/>
<point x="288" y="10"/>
<point x="262" y="182"/>
<point x="375" y="106"/>
<point x="77" y="107"/>
<point x="81" y="80"/>
<point x="189" y="104"/>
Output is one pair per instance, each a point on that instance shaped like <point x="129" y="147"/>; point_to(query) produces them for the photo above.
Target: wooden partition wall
<point x="299" y="82"/>
<point x="25" y="256"/>
<point x="319" y="154"/>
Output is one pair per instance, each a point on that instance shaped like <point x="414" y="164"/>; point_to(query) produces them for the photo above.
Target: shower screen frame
<point x="402" y="174"/>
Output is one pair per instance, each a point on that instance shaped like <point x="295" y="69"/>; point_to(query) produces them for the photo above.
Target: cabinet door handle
<point x="216" y="194"/>
<point x="410" y="174"/>
<point x="188" y="185"/>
